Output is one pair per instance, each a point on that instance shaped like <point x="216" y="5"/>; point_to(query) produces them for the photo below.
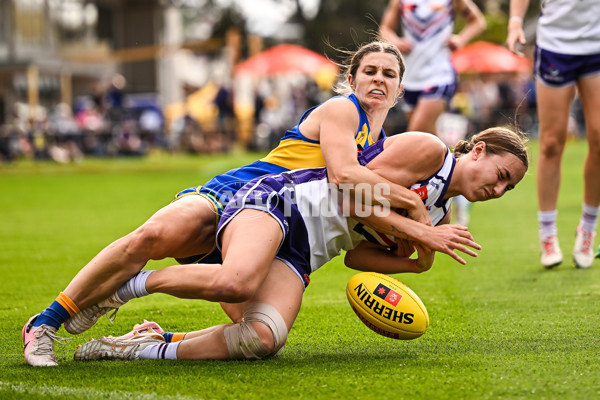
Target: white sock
<point x="589" y="218"/>
<point x="135" y="287"/>
<point x="547" y="223"/>
<point x="164" y="351"/>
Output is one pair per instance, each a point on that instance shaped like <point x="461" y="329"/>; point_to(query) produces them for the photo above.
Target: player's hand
<point x="455" y="42"/>
<point x="515" y="34"/>
<point x="449" y="238"/>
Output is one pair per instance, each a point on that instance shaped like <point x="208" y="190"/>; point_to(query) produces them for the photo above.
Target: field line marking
<point x="85" y="393"/>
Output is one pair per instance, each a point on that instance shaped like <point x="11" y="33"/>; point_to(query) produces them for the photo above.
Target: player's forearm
<point x="380" y="260"/>
<point x="475" y="24"/>
<point x="367" y="187"/>
<point x="394" y="224"/>
<point x="518" y="9"/>
<point x="444" y="238"/>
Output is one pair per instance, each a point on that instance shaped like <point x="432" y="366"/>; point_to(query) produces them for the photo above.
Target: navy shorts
<point x="557" y="70"/>
<point x="411" y="97"/>
<point x="275" y="196"/>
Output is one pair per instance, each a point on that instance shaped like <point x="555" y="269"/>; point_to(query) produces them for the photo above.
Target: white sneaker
<point x="551" y="254"/>
<point x="86" y="318"/>
<point x="39" y="344"/>
<point x="109" y="348"/>
<point x="583" y="253"/>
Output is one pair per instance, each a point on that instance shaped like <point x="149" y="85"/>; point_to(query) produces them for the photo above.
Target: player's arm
<point x="389" y="23"/>
<point x="475" y="23"/>
<point x="338" y="124"/>
<point x="443" y="238"/>
<point x="518" y="9"/>
<point x="372" y="257"/>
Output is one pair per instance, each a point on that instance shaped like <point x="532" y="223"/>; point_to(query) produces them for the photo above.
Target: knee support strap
<point x="242" y="340"/>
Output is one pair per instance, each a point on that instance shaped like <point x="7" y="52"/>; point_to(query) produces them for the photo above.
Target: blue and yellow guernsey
<point x="294" y="151"/>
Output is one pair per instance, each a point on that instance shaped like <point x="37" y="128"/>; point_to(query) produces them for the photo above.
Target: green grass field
<point x="501" y="327"/>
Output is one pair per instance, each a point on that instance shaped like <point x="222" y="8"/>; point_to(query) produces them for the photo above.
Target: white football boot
<point x="109" y="348"/>
<point x="583" y="252"/>
<point x="551" y="254"/>
<point x="39" y="344"/>
<point x="86" y="318"/>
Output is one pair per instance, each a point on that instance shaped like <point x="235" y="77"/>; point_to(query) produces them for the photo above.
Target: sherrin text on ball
<point x="387" y="306"/>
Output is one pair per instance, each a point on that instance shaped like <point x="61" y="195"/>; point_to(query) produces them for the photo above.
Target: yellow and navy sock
<point x="59" y="311"/>
<point x="172" y="337"/>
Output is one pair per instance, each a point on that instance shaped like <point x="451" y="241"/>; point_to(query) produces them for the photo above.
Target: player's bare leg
<point x="279" y="297"/>
<point x="424" y="117"/>
<point x="196" y="281"/>
<point x="268" y="314"/>
<point x="553" y="111"/>
<point x="282" y="289"/>
<point x="183" y="228"/>
<point x="583" y="251"/>
<point x="250" y="242"/>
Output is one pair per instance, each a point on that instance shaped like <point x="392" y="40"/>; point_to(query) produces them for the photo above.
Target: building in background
<point x="54" y="51"/>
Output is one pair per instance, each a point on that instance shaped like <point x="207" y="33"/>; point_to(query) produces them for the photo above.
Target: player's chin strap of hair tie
<point x="242" y="340"/>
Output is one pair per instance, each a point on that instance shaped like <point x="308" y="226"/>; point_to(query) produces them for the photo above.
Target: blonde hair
<point x="497" y="140"/>
<point x="355" y="58"/>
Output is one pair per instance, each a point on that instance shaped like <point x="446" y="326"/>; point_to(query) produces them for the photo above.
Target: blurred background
<point x="106" y="78"/>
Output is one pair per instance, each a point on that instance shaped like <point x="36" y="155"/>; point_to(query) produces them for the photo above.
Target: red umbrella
<point x="285" y="59"/>
<point x="485" y="57"/>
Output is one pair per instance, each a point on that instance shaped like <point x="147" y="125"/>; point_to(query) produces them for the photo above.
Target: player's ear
<point x="400" y="90"/>
<point x="478" y="150"/>
<point x="351" y="81"/>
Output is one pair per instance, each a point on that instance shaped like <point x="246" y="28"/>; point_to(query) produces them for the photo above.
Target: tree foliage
<point x="339" y="24"/>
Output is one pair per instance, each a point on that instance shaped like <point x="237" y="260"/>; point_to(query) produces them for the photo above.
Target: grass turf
<point x="501" y="327"/>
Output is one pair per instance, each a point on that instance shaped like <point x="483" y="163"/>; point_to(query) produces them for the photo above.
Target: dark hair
<point x="497" y="140"/>
<point x="355" y="58"/>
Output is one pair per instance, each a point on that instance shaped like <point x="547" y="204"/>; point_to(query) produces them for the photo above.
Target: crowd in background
<point x="111" y="122"/>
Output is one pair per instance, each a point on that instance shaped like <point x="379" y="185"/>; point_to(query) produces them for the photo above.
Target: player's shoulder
<point x="339" y="101"/>
<point x="419" y="142"/>
<point x="423" y="151"/>
<point x="338" y="107"/>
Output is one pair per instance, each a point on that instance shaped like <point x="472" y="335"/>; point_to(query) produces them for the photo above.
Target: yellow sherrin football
<point x="387" y="306"/>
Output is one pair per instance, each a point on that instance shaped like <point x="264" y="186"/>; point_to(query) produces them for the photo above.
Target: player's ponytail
<point x="463" y="147"/>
